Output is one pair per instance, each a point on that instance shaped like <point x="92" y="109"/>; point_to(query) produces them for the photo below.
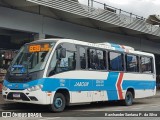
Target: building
<point x="23" y="21"/>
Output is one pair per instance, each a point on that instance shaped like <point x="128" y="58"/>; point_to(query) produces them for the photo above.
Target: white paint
<point x="82" y="74"/>
<point x="81" y="96"/>
<point x="88" y="96"/>
<point x="138" y="76"/>
<point x="40" y="95"/>
<point x="99" y="96"/>
<point x="144" y="93"/>
<point x="78" y="84"/>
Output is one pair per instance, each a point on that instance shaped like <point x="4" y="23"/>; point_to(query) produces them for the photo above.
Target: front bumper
<point x="34" y="97"/>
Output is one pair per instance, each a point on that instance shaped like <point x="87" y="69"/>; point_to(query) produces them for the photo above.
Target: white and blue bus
<point x="62" y="72"/>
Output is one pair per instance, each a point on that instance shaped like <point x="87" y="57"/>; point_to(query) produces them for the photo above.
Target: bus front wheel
<point x="59" y="103"/>
<point x="128" y="99"/>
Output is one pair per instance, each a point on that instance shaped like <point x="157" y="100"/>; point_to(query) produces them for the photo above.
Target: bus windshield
<point x="31" y="58"/>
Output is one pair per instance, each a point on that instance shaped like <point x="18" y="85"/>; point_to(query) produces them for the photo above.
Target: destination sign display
<point x="39" y="47"/>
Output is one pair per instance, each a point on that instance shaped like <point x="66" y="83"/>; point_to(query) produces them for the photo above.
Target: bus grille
<point x="22" y="96"/>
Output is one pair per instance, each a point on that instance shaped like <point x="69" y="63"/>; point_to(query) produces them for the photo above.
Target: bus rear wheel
<point x="59" y="103"/>
<point x="128" y="99"/>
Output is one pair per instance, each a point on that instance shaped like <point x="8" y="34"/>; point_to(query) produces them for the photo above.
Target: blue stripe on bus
<point x="53" y="84"/>
<point x="115" y="45"/>
<point x="109" y="85"/>
<point x="138" y="85"/>
<point x="119" y="49"/>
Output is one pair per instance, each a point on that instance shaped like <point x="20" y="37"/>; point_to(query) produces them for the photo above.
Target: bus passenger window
<point x="92" y="59"/>
<point x="146" y="65"/>
<point x="82" y="58"/>
<point x="101" y="60"/>
<point x="116" y="61"/>
<point x="132" y="63"/>
<point x="96" y="59"/>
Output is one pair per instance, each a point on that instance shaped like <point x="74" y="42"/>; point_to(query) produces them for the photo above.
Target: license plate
<point x="16" y="95"/>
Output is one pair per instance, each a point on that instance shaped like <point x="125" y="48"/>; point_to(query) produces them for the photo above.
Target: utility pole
<point x="88" y="3"/>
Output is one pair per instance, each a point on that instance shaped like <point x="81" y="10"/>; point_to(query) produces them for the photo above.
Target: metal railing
<point x="104" y="13"/>
<point x="92" y="3"/>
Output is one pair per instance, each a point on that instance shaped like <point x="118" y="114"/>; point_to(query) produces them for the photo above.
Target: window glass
<point x="132" y="63"/>
<point x="96" y="59"/>
<point x="92" y="59"/>
<point x="116" y="61"/>
<point x="58" y="65"/>
<point x="82" y="58"/>
<point x="146" y="65"/>
<point x="67" y="63"/>
<point x="31" y="58"/>
<point x="101" y="60"/>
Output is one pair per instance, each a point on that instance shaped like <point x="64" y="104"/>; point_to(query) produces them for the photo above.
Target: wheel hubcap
<point x="129" y="100"/>
<point x="58" y="102"/>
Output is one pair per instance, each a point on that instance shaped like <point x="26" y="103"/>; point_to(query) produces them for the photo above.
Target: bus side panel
<point x="144" y="85"/>
<point x="106" y="86"/>
<point x="91" y="85"/>
<point x="99" y="96"/>
<point x="81" y="96"/>
<point x="88" y="96"/>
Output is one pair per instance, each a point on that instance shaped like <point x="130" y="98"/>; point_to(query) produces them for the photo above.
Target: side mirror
<point x="61" y="53"/>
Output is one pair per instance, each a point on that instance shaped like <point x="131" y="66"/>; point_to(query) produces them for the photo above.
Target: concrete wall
<point x="23" y="21"/>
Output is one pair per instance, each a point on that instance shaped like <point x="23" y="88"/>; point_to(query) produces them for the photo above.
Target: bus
<point x="63" y="72"/>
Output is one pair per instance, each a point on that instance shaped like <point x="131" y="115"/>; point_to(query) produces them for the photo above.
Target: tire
<point x="59" y="103"/>
<point x="128" y="99"/>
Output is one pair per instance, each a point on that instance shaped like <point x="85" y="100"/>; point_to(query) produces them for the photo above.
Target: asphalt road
<point x="95" y="110"/>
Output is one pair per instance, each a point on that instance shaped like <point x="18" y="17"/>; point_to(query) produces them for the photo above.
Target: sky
<point x="139" y="7"/>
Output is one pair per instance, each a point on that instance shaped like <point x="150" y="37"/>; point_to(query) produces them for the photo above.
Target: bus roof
<point x="109" y="46"/>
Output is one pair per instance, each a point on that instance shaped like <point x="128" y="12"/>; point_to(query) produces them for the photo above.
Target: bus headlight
<point x="4" y="88"/>
<point x="29" y="89"/>
<point x="34" y="88"/>
<point x="38" y="87"/>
